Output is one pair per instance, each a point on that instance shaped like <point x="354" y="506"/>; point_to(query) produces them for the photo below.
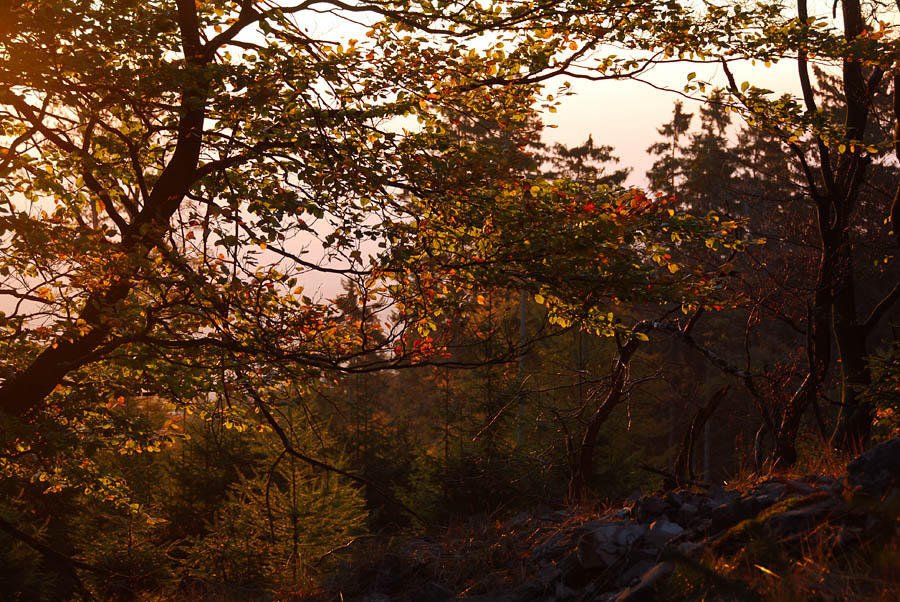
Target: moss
<point x="751" y="529"/>
<point x="699" y="580"/>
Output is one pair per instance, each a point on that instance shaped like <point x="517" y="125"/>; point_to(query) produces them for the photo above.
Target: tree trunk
<point x="685" y="459"/>
<point x="583" y="468"/>
<point x="855" y="420"/>
<point x="28" y="389"/>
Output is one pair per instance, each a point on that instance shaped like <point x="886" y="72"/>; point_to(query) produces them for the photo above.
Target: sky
<point x="625" y="114"/>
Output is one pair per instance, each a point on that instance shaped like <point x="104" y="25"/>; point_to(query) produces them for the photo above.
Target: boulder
<point x="687" y="513"/>
<point x="800" y="519"/>
<point x="877" y="470"/>
<point x="799" y="488"/>
<point x="729" y="514"/>
<point x="603" y="544"/>
<point x="650" y="507"/>
<point x="662" y="532"/>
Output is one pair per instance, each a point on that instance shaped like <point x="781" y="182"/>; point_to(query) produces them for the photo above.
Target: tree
<point x="166" y="161"/>
<point x="844" y="140"/>
<point x="665" y="174"/>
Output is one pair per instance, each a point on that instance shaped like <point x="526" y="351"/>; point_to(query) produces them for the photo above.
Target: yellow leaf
<point x="673" y="268"/>
<point x="539" y="298"/>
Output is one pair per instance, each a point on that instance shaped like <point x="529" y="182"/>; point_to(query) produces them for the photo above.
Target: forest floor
<point x="779" y="537"/>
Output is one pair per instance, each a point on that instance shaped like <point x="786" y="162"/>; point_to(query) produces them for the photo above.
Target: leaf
<point x="744" y="86"/>
<point x="641" y="336"/>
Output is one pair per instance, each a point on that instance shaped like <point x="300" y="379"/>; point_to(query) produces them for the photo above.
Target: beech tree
<point x="166" y="162"/>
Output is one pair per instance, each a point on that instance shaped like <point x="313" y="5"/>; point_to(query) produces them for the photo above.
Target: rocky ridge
<point x="661" y="546"/>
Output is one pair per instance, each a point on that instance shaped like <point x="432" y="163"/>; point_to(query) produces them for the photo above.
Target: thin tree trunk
<point x="584" y="465"/>
<point x="685" y="459"/>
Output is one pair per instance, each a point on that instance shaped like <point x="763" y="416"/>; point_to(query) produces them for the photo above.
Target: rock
<point x="799" y="487"/>
<point x="718" y="496"/>
<point x="725" y="516"/>
<point x="771" y="489"/>
<point x="877" y="470"/>
<point x="687" y="513"/>
<point x="675" y="498"/>
<point x="799" y="519"/>
<point x="649" y="508"/>
<point x="643" y="590"/>
<point x="557" y="516"/>
<point x="728" y="515"/>
<point x="394" y="570"/>
<point x="832" y="484"/>
<point x="692" y="548"/>
<point x="662" y="532"/>
<point x="621" y="514"/>
<point x="605" y="543"/>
